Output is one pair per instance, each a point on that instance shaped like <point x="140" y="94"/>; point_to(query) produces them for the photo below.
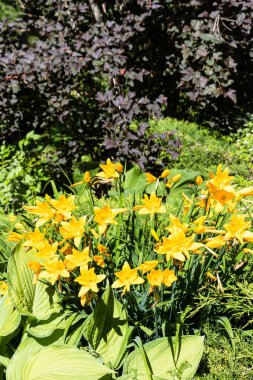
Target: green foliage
<point x="9" y="318"/>
<point x="203" y="149"/>
<point x="24" y="170"/>
<point x="157" y="359"/>
<point x="235" y="300"/>
<point x="36" y="300"/>
<point x="244" y="146"/>
<point x="55" y="363"/>
<point x="107" y="330"/>
<point x="119" y="289"/>
<point x="8" y="11"/>
<point x="219" y="361"/>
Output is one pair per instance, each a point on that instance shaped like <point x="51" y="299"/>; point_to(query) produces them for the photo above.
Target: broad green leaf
<point x="4" y="360"/>
<point x="160" y="358"/>
<point x="38" y="300"/>
<point x="28" y="347"/>
<point x="184" y="185"/>
<point x="63" y="362"/>
<point x="44" y="328"/>
<point x="135" y="181"/>
<point x="107" y="329"/>
<point x="6" y="351"/>
<point x="156" y="188"/>
<point x="9" y="317"/>
<point x="75" y="333"/>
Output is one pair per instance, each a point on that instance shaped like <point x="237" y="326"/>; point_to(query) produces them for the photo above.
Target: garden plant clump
<point x="113" y="276"/>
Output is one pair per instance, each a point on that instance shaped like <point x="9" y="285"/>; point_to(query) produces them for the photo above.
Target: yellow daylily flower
<point x="173" y="180"/>
<point x="105" y="216"/>
<point x="109" y="170"/>
<point x="199" y="180"/>
<point x="43" y="210"/>
<point x="119" y="167"/>
<point x="237" y="227"/>
<point x="86" y="179"/>
<point x="248" y="236"/>
<point x="89" y="280"/>
<point x="222" y="195"/>
<point x="54" y="270"/>
<point x="176" y="225"/>
<point x="199" y="227"/>
<point x="154" y="234"/>
<point x="64" y="207"/>
<point x="74" y="229"/>
<point x="188" y="202"/>
<point x="221" y="178"/>
<point x="210" y="275"/>
<point x="150" y="178"/>
<point x="159" y="277"/>
<point x="244" y="192"/>
<point x="127" y="277"/>
<point x="99" y="260"/>
<point x="148" y="266"/>
<point x="155" y="278"/>
<point x="35" y="267"/>
<point x="32" y="239"/>
<point x="78" y="259"/>
<point x="14" y="237"/>
<point x="248" y="250"/>
<point x="102" y="248"/>
<point x="165" y="173"/>
<point x="45" y="250"/>
<point x="169" y="277"/>
<point x="18" y="225"/>
<point x="151" y="205"/>
<point x="199" y="224"/>
<point x="86" y="299"/>
<point x="177" y="246"/>
<point x="216" y="242"/>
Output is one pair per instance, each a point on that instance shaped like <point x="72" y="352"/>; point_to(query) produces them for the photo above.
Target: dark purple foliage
<point x="84" y="82"/>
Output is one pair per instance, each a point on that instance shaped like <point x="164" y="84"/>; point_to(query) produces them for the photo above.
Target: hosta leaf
<point x="9" y="317"/>
<point x="184" y="185"/>
<point x="5" y="355"/>
<point x="4" y="361"/>
<point x="107" y="329"/>
<point x="75" y="333"/>
<point x="63" y="362"/>
<point x="160" y="358"/>
<point x="135" y="181"/>
<point x="44" y="328"/>
<point x="26" y="348"/>
<point x="39" y="300"/>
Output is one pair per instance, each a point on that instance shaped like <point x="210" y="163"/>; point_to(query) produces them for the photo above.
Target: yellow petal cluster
<point x="152" y="205"/>
<point x="126" y="278"/>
